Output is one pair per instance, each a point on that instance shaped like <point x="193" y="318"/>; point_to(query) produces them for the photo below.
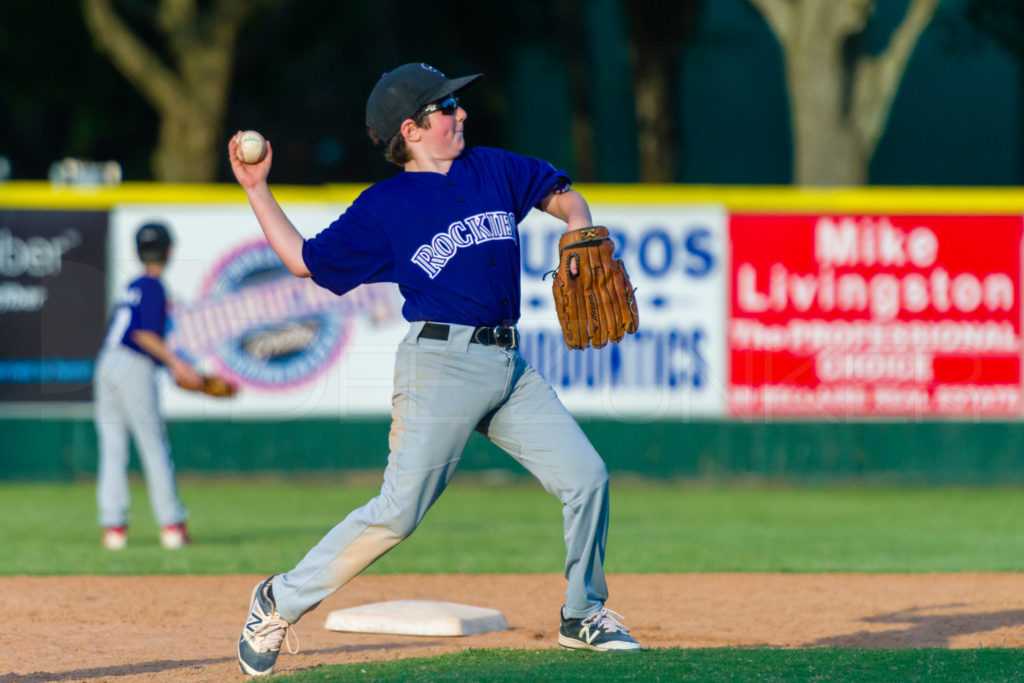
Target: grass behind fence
<point x="261" y="526"/>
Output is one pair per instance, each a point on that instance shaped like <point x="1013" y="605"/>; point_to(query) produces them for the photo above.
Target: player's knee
<point x="591" y="477"/>
<point x="393" y="519"/>
<point x="404" y="530"/>
<point x="599" y="476"/>
<point x="403" y="523"/>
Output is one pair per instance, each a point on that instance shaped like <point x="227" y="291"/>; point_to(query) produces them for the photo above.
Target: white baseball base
<point x="417" y="618"/>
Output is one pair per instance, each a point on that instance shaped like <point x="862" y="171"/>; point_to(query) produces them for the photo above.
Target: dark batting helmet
<point x="152" y="241"/>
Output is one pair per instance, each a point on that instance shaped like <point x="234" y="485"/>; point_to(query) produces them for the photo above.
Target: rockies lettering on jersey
<point x="483" y="227"/>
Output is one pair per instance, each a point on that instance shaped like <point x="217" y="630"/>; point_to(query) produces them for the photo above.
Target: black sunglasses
<point x="445" y="106"/>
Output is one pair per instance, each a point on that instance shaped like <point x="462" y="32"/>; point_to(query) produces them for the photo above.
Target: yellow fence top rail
<point x="923" y="200"/>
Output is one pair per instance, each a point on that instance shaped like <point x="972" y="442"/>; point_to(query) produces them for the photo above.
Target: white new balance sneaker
<point x="263" y="633"/>
<point x="602" y="632"/>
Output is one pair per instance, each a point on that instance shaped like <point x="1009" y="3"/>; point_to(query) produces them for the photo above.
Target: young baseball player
<point x="126" y="400"/>
<point x="445" y="230"/>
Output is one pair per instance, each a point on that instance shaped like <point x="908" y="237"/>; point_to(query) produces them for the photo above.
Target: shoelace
<point x="606" y="620"/>
<point x="268" y="636"/>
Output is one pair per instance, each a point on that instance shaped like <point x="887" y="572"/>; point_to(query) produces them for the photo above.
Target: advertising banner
<point x="674" y="366"/>
<point x="836" y="316"/>
<point x="53" y="293"/>
<point x="296" y="350"/>
<point x="299" y="351"/>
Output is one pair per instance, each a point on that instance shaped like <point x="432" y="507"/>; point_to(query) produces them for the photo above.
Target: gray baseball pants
<point x="444" y="390"/>
<point x="126" y="401"/>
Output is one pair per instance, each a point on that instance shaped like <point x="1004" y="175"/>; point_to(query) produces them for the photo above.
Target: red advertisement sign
<point x="840" y="316"/>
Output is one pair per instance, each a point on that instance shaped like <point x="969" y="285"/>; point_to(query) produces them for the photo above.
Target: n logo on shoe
<point x="587" y="636"/>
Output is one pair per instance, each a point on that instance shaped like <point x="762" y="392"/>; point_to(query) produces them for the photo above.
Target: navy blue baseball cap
<point x="402" y="92"/>
<point x="152" y="241"/>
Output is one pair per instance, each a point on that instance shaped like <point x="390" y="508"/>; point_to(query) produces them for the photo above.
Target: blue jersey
<point x="450" y="241"/>
<point x="142" y="306"/>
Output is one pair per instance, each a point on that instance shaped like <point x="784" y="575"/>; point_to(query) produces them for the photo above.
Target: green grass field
<point x="670" y="665"/>
<point x="266" y="526"/>
<point x="262" y="526"/>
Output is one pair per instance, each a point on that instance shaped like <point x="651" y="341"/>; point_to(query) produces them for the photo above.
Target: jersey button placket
<point x="451" y="183"/>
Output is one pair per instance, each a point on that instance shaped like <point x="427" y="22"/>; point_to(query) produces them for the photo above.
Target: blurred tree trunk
<point x="839" y="103"/>
<point x="657" y="31"/>
<point x="190" y="96"/>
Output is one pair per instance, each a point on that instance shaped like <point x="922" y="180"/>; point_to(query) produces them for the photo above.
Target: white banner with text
<point x="297" y="351"/>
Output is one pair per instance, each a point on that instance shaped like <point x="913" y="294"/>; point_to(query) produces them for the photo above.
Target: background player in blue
<point x="126" y="399"/>
<point x="445" y="229"/>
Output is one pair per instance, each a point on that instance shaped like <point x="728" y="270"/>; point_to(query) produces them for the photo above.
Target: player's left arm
<point x="182" y="372"/>
<point x="569" y="206"/>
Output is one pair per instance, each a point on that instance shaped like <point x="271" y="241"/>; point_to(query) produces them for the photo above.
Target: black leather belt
<point x="503" y="337"/>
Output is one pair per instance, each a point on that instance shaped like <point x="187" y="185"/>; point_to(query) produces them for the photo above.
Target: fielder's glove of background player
<point x="217" y="386"/>
<point x="593" y="296"/>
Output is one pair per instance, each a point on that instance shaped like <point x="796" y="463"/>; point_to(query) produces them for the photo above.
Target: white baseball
<point x="251" y="147"/>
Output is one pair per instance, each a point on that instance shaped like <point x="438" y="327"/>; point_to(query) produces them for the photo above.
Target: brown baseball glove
<point x="217" y="386"/>
<point x="593" y="296"/>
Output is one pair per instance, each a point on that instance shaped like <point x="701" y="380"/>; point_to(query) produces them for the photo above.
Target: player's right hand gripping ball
<point x="252" y="148"/>
<point x="593" y="295"/>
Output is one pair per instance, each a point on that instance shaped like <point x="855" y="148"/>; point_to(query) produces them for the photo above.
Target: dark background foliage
<point x="304" y="68"/>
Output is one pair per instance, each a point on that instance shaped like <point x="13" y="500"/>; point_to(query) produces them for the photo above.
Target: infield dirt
<point x="184" y="628"/>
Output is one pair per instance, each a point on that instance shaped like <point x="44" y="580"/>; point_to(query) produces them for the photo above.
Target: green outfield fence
<point x="905" y="452"/>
